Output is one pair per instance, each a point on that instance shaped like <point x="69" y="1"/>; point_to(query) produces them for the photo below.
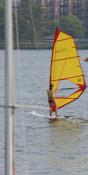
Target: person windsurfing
<point x="51" y="101"/>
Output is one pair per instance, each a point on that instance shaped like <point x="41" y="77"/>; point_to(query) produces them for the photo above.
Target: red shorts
<point x="53" y="106"/>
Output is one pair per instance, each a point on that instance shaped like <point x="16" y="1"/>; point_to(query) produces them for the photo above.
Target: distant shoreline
<point x="43" y="45"/>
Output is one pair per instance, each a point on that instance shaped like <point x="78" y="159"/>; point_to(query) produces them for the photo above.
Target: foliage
<point x="37" y="17"/>
<point x="44" y="24"/>
<point x="29" y="21"/>
<point x="1" y="21"/>
<point x="50" y="28"/>
<point x="24" y="22"/>
<point x="72" y="25"/>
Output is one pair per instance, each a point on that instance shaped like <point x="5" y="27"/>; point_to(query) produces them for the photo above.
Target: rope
<point x="25" y="106"/>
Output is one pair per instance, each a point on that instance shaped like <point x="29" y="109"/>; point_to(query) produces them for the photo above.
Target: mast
<point x="9" y="89"/>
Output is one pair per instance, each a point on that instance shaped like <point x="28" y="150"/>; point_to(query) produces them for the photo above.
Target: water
<point x="59" y="148"/>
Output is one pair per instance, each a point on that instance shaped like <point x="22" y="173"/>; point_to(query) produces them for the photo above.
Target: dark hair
<point x="51" y="86"/>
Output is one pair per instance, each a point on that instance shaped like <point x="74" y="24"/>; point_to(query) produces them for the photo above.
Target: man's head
<point x="51" y="86"/>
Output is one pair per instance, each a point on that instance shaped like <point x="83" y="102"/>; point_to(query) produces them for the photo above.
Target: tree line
<point x="35" y="26"/>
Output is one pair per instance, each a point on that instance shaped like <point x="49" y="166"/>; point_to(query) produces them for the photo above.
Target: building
<point x="84" y="13"/>
<point x="54" y="9"/>
<point x="57" y="9"/>
<point x="51" y="8"/>
<point x="78" y="8"/>
<point x="66" y="7"/>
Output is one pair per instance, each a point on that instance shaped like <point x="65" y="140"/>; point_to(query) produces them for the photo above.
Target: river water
<point x="41" y="147"/>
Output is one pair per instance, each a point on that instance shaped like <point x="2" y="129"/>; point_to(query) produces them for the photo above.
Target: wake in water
<point x="66" y="117"/>
<point x="34" y="113"/>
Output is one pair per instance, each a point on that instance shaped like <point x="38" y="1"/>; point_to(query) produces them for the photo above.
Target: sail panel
<point x="62" y="101"/>
<point x="65" y="65"/>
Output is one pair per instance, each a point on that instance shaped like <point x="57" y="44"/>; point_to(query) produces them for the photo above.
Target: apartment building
<point x="78" y="8"/>
<point x="51" y="8"/>
<point x="54" y="9"/>
<point x="84" y="12"/>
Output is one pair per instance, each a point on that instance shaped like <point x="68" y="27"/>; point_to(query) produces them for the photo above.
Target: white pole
<point x="9" y="88"/>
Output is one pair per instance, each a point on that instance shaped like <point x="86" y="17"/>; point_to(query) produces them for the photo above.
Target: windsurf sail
<point x="66" y="74"/>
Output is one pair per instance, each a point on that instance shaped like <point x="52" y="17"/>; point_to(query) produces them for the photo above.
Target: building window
<point x="70" y="1"/>
<point x="75" y="1"/>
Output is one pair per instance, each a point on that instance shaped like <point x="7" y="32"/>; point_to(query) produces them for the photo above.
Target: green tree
<point x="29" y="21"/>
<point x="25" y="31"/>
<point x="72" y="25"/>
<point x="51" y="27"/>
<point x="37" y="17"/>
<point x="1" y="21"/>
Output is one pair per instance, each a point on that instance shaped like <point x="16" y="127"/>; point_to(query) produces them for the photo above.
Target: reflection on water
<point x="43" y="147"/>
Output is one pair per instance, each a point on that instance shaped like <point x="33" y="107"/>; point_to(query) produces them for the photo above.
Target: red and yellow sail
<point x="66" y="67"/>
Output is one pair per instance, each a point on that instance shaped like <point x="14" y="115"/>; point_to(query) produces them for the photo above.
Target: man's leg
<point x="56" y="113"/>
<point x="50" y="113"/>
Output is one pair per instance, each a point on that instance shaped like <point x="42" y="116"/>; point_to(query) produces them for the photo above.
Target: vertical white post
<point x="9" y="88"/>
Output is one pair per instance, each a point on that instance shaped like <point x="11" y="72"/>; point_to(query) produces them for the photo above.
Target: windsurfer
<point x="51" y="101"/>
